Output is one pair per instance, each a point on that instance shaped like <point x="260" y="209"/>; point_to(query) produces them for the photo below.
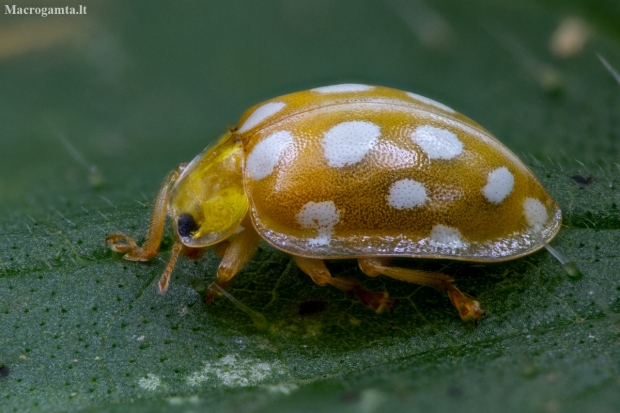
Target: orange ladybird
<point x="353" y="171"/>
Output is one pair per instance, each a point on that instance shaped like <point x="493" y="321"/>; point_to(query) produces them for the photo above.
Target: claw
<point x="378" y="301"/>
<point x="468" y="309"/>
<point x="119" y="246"/>
<point x="213" y="291"/>
<point x="132" y="251"/>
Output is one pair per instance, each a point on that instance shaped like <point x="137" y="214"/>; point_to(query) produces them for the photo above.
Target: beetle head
<point x="208" y="201"/>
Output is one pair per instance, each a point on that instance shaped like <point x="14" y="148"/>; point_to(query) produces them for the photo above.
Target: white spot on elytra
<point x="150" y="382"/>
<point x="406" y="194"/>
<point x="388" y="155"/>
<point x="535" y="212"/>
<point x="348" y="142"/>
<point x="265" y="155"/>
<point x="320" y="216"/>
<point x="438" y="143"/>
<point x="260" y="114"/>
<point x="232" y="371"/>
<point x="499" y="185"/>
<point x="343" y="88"/>
<point x="444" y="236"/>
<point x="431" y="102"/>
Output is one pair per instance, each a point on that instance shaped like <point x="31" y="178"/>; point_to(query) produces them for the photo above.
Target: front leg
<point x="133" y="252"/>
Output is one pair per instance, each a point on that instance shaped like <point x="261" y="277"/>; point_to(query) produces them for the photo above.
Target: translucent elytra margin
<point x="496" y="250"/>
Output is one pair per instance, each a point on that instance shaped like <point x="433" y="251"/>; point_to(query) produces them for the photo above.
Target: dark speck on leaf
<point x="454" y="392"/>
<point x="4" y="370"/>
<point x="351" y="397"/>
<point x="311" y="307"/>
<point x="583" y="180"/>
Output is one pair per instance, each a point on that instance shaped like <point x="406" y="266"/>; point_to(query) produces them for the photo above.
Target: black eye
<point x="186" y="225"/>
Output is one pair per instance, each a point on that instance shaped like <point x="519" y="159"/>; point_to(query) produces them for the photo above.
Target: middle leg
<point x="236" y="253"/>
<point x="319" y="273"/>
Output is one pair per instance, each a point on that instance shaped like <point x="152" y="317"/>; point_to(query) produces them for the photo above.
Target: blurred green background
<point x="138" y="87"/>
<point x="95" y="109"/>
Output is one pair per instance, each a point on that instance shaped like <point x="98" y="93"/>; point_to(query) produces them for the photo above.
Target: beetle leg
<point x="132" y="251"/>
<point x="193" y="253"/>
<point x="221" y="247"/>
<point x="468" y="308"/>
<point x="236" y="255"/>
<point x="164" y="280"/>
<point x="319" y="273"/>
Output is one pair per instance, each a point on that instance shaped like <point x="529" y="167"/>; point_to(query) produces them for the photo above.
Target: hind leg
<point x="468" y="309"/>
<point x="319" y="273"/>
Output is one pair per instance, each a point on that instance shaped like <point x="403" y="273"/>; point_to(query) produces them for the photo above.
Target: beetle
<point x="353" y="171"/>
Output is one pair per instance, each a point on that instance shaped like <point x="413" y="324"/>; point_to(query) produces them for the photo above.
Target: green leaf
<point x="135" y="89"/>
